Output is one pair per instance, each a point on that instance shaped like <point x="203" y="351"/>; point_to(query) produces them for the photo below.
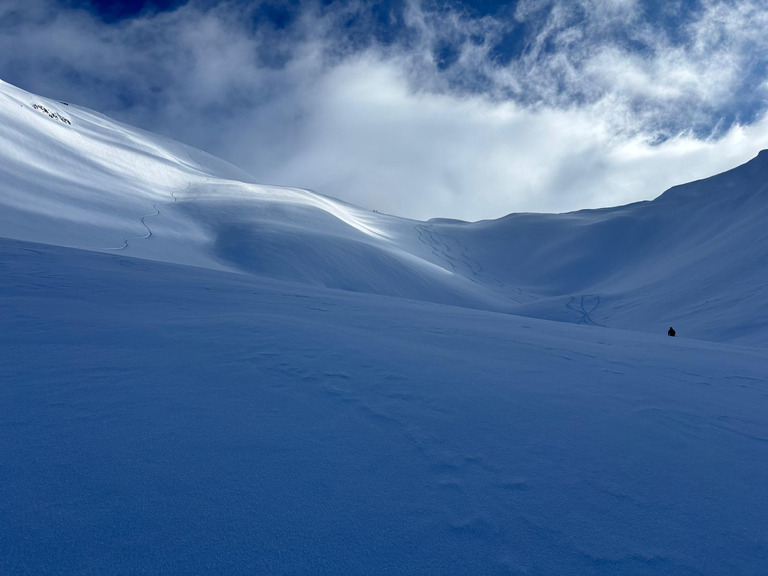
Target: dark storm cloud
<point x="423" y="109"/>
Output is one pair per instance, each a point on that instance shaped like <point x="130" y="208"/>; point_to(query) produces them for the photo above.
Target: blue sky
<point x="460" y="109"/>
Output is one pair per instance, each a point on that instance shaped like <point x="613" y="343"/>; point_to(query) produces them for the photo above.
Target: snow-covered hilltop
<point x="694" y="257"/>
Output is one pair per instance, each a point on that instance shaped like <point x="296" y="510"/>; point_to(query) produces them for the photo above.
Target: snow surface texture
<point x="246" y="416"/>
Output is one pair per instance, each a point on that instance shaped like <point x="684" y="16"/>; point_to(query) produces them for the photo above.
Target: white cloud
<point x="389" y="147"/>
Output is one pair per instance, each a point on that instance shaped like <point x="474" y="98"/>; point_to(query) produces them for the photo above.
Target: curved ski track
<point x="144" y="222"/>
<point x="443" y="250"/>
<point x="581" y="308"/>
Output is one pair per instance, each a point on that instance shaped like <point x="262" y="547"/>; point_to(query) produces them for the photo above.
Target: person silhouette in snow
<point x="671" y="331"/>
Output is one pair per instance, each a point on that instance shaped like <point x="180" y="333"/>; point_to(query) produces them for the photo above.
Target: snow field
<point x="169" y="419"/>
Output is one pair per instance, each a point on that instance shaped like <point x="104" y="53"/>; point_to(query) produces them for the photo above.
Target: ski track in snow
<point x="581" y="309"/>
<point x="441" y="249"/>
<point x="144" y="222"/>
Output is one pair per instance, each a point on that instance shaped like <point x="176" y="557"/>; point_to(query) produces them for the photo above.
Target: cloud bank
<point x="424" y="110"/>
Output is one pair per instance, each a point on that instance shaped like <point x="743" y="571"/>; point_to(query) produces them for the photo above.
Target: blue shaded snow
<point x="158" y="418"/>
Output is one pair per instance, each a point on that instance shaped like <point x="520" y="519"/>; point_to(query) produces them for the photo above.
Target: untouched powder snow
<point x="205" y="375"/>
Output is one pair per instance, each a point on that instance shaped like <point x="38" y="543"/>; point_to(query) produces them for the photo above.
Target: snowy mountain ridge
<point x="694" y="257"/>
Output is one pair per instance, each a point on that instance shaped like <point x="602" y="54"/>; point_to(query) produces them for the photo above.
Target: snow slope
<point x="96" y="184"/>
<point x="165" y="419"/>
<point x="694" y="258"/>
<point x="205" y="375"/>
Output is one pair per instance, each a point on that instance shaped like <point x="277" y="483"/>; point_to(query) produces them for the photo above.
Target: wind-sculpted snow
<point x="694" y="258"/>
